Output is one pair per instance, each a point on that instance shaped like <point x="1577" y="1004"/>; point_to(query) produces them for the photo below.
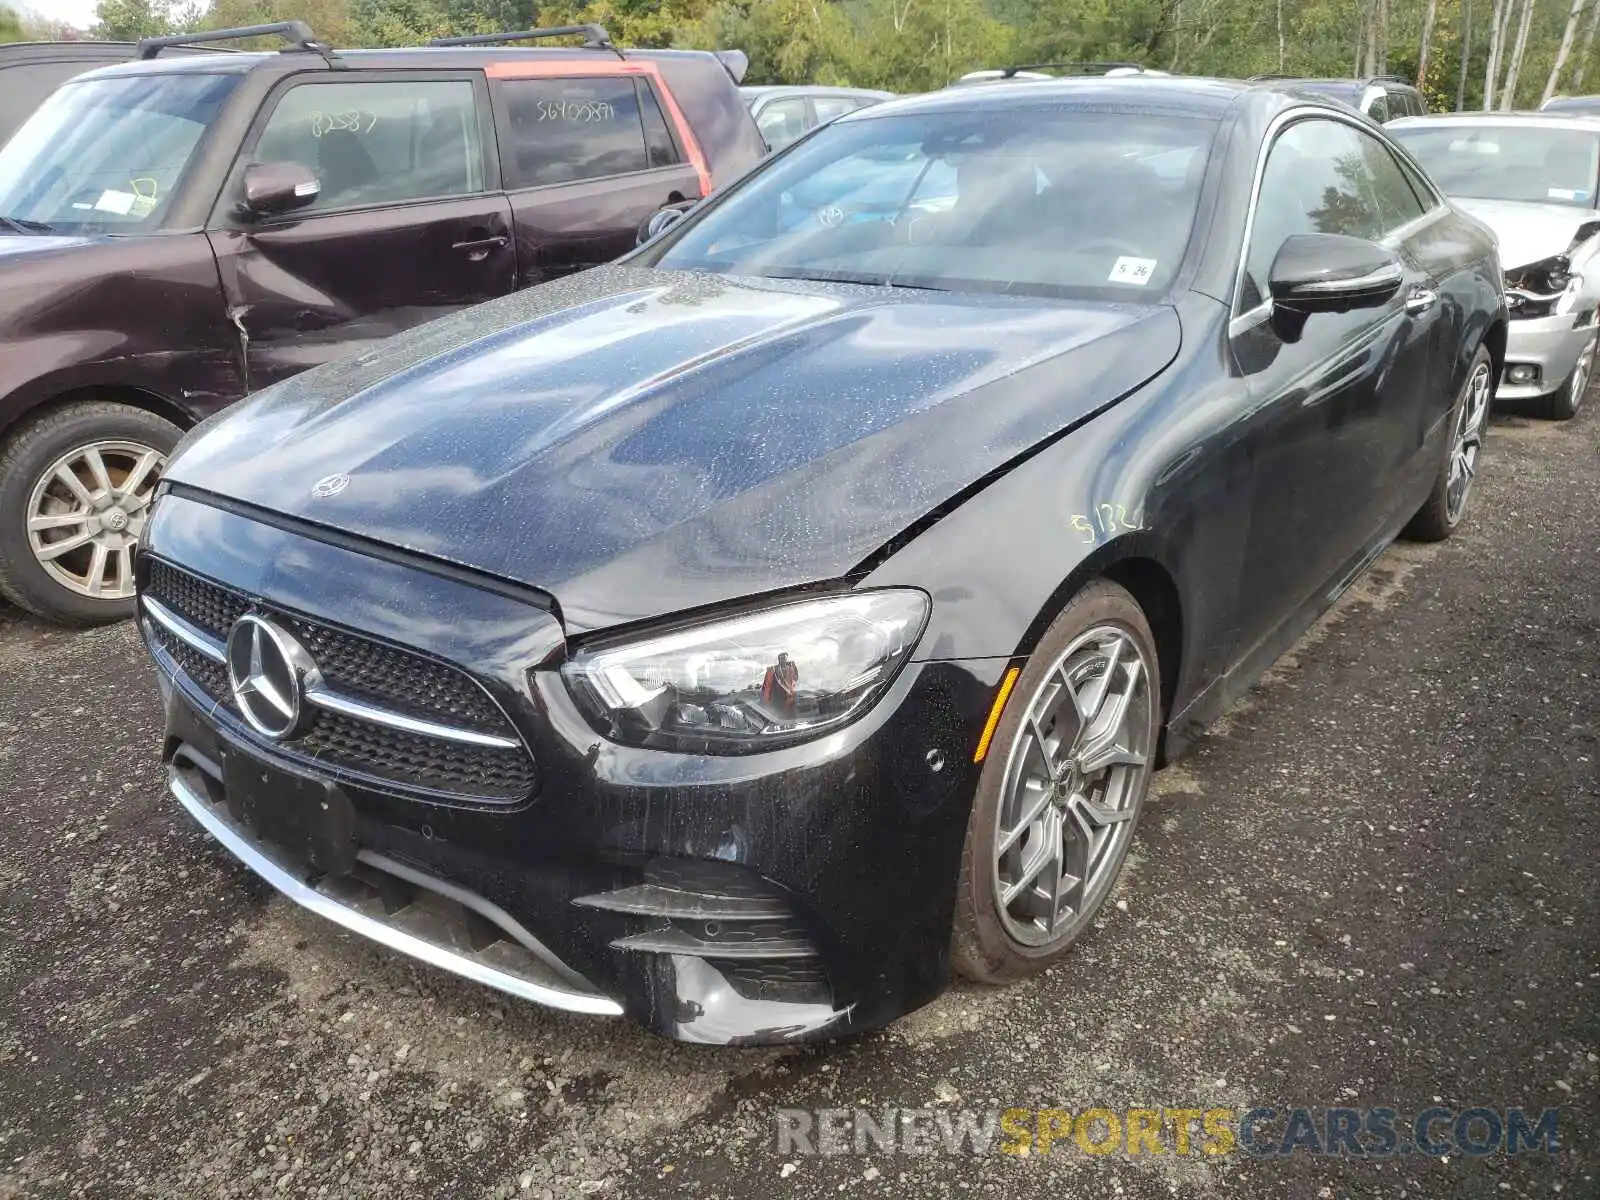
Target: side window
<point x="783" y="121"/>
<point x="829" y="107"/>
<point x="1397" y="201"/>
<point x="1378" y="108"/>
<point x="379" y="143"/>
<point x="661" y="150"/>
<point x="565" y="130"/>
<point x="1318" y="179"/>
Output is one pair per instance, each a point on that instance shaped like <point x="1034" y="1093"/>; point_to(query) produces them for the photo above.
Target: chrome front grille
<point x="378" y="712"/>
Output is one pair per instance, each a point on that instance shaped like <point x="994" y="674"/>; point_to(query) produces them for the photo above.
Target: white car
<point x="1534" y="178"/>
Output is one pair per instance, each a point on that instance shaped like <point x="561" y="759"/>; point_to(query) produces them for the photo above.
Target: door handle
<point x="478" y="249"/>
<point x="1421" y="300"/>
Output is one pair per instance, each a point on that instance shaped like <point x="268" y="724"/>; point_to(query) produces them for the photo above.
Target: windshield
<point x="105" y="155"/>
<point x="1508" y="162"/>
<point x="1051" y="202"/>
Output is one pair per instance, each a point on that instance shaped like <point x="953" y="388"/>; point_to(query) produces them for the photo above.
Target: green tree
<point x="10" y="26"/>
<point x="130" y="20"/>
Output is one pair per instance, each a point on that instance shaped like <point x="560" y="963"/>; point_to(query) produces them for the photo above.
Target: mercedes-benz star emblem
<point x="330" y="485"/>
<point x="268" y="671"/>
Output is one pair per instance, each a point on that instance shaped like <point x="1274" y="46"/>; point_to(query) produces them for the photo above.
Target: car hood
<point x="1528" y="232"/>
<point x="16" y="247"/>
<point x="638" y="442"/>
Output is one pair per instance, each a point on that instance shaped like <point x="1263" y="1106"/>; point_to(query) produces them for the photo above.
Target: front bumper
<point x="1551" y="345"/>
<point x="798" y="894"/>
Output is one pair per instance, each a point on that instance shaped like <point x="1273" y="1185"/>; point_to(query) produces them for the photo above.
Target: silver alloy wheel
<point x="1467" y="442"/>
<point x="1075" y="777"/>
<point x="87" y="511"/>
<point x="1579" y="383"/>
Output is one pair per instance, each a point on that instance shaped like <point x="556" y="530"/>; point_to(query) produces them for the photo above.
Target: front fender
<point x="1160" y="477"/>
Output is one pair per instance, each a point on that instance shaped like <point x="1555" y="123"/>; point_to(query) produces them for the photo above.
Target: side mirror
<point x="664" y="219"/>
<point x="1332" y="273"/>
<point x="278" y="187"/>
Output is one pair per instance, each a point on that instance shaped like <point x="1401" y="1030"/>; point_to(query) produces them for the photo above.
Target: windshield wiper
<point x="22" y="225"/>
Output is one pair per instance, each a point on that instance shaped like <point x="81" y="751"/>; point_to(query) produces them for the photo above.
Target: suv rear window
<point x="564" y="130"/>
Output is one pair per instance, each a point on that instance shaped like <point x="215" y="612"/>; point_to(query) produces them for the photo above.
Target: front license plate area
<point x="310" y="818"/>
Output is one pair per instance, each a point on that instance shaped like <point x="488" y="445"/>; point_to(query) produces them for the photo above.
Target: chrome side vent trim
<point x="654" y="900"/>
<point x="706" y="908"/>
<point x="735" y="945"/>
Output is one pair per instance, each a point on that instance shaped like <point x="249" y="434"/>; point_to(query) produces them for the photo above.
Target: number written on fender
<point x="1106" y="521"/>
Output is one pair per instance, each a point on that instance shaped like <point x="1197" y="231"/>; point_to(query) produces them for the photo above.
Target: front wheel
<point x="1447" y="501"/>
<point x="1562" y="404"/>
<point x="1061" y="789"/>
<point x="75" y="491"/>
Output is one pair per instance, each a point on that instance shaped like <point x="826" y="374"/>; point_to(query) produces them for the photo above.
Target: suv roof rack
<point x="1394" y="79"/>
<point x="594" y="37"/>
<point x="297" y="33"/>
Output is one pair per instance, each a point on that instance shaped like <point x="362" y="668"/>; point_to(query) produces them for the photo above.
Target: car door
<point x="409" y="225"/>
<point x="1326" y="408"/>
<point x="586" y="159"/>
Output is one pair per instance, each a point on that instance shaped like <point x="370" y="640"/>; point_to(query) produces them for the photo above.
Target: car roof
<point x="808" y="89"/>
<point x="1545" y="120"/>
<point x="1173" y="95"/>
<point x="428" y="57"/>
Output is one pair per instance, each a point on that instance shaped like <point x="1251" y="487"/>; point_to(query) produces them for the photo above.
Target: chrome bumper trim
<point x="246" y="851"/>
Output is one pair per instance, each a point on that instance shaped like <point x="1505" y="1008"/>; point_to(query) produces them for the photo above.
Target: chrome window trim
<point x="1275" y="130"/>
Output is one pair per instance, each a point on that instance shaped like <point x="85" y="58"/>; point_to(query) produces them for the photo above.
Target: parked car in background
<point x="177" y="232"/>
<point x="1572" y="105"/>
<point x="1534" y="179"/>
<point x="30" y="71"/>
<point x="737" y="636"/>
<point x="785" y="113"/>
<point x="1382" y="97"/>
<point x="1037" y="71"/>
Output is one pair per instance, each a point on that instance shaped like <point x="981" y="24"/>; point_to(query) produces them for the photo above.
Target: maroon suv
<point x="176" y="232"/>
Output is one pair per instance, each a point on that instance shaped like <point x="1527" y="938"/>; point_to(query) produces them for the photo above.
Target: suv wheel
<point x="75" y="490"/>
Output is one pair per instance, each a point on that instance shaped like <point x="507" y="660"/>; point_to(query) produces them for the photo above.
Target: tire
<point x="995" y="942"/>
<point x="131" y="446"/>
<point x="1469" y="419"/>
<point x="1562" y="404"/>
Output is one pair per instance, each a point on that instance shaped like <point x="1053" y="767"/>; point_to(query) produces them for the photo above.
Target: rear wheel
<point x="1562" y="404"/>
<point x="75" y="491"/>
<point x="1061" y="792"/>
<point x="1447" y="502"/>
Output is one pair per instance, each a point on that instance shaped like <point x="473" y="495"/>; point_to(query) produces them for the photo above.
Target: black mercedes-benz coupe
<point x="744" y="635"/>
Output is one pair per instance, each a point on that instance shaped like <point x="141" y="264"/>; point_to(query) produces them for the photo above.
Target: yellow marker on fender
<point x="1006" y="685"/>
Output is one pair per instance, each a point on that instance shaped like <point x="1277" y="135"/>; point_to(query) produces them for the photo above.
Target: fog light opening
<point x="1519" y="374"/>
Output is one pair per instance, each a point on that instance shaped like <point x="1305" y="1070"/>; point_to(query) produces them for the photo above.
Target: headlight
<point x="1545" y="288"/>
<point x="751" y="682"/>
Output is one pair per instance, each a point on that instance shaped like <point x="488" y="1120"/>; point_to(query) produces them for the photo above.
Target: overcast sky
<point x="78" y="12"/>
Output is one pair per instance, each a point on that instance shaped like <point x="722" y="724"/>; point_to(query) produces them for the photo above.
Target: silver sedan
<point x="1533" y="178"/>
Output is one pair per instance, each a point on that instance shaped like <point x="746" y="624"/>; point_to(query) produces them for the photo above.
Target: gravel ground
<point x="1374" y="884"/>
